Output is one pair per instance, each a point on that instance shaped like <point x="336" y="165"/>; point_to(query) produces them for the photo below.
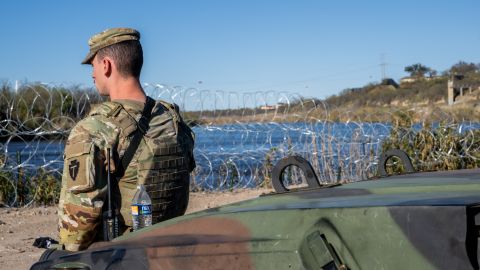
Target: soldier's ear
<point x="107" y="65"/>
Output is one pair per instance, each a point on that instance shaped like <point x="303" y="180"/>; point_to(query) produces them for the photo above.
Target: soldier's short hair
<point x="127" y="55"/>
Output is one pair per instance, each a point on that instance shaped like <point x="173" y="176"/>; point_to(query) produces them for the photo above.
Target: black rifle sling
<point x="142" y="128"/>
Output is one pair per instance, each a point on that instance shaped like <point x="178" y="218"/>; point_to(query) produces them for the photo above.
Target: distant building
<point x="267" y="107"/>
<point x="408" y="80"/>
<point x="457" y="88"/>
<point x="415" y="79"/>
<point x="390" y="81"/>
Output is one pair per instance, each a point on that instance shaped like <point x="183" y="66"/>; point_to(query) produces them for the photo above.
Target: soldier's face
<point x="98" y="76"/>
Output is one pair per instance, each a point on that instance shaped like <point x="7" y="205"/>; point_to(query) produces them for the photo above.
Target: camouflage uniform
<point x="159" y="162"/>
<point x="84" y="175"/>
<point x="162" y="163"/>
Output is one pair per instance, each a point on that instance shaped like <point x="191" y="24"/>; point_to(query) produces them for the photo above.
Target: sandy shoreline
<point x="20" y="226"/>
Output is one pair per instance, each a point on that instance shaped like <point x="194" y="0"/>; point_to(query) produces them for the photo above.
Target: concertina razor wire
<point x="239" y="137"/>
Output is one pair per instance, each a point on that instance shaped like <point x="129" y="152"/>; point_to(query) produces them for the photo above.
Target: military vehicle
<point x="425" y="220"/>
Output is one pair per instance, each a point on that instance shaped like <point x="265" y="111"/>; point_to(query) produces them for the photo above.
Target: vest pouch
<point x="80" y="167"/>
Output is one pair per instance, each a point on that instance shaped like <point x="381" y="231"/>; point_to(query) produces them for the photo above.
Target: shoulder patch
<point x="73" y="168"/>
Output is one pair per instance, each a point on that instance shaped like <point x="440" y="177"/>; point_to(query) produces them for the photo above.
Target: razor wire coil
<point x="239" y="136"/>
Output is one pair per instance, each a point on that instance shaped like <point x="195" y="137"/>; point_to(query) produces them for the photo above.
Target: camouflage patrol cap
<point x="109" y="37"/>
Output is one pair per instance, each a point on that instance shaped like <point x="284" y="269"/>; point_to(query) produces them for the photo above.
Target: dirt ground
<point x="20" y="226"/>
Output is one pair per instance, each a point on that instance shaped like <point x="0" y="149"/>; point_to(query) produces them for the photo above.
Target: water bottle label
<point x="146" y="209"/>
<point x="135" y="210"/>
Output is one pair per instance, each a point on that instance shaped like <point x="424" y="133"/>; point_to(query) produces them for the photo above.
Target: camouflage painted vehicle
<point x="413" y="221"/>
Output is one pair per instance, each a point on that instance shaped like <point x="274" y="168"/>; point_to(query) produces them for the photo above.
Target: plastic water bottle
<point x="141" y="209"/>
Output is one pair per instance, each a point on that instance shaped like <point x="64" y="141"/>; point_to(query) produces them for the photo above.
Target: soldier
<point x="116" y="57"/>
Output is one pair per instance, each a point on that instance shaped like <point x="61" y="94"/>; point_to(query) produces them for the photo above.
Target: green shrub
<point x="20" y="189"/>
<point x="47" y="191"/>
<point x="440" y="148"/>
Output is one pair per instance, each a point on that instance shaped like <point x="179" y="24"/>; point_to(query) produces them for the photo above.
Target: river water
<point x="234" y="155"/>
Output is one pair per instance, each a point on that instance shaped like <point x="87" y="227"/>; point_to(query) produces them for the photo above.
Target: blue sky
<point x="313" y="48"/>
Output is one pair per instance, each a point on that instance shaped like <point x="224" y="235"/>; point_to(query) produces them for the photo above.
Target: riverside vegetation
<point x="413" y="103"/>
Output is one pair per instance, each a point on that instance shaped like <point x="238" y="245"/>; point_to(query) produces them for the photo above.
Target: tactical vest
<point x="162" y="162"/>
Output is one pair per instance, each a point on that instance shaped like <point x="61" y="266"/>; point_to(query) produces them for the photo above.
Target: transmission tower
<point x="383" y="66"/>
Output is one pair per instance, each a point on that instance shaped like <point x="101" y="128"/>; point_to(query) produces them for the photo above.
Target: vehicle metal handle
<point x="402" y="155"/>
<point x="298" y="161"/>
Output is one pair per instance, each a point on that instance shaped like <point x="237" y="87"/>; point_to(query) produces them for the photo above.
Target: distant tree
<point x="432" y="73"/>
<point x="6" y="93"/>
<point x="463" y="67"/>
<point x="417" y="70"/>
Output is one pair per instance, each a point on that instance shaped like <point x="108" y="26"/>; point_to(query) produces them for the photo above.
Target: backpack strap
<point x="174" y="111"/>
<point x="142" y="128"/>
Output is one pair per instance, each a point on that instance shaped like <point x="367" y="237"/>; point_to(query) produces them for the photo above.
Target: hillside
<point x="423" y="98"/>
<point x="424" y="95"/>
